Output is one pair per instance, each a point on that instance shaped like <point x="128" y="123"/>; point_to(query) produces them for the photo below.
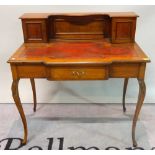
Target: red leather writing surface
<point x="78" y="50"/>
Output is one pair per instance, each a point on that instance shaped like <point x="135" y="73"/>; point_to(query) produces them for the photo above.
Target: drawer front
<point x="128" y="70"/>
<point x="77" y="73"/>
<point x="31" y="71"/>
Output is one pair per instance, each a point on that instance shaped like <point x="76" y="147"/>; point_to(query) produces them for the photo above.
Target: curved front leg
<point x="142" y="91"/>
<point x="34" y="93"/>
<point x="124" y="93"/>
<point x="16" y="98"/>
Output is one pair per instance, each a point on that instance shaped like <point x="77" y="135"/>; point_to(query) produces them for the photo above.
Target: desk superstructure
<point x="79" y="46"/>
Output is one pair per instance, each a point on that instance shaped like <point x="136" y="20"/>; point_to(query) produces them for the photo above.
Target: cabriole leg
<point x="34" y="93"/>
<point x="141" y="96"/>
<point x="124" y="93"/>
<point x="16" y="98"/>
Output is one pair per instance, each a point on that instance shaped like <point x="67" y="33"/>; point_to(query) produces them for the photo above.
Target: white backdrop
<point x="109" y="91"/>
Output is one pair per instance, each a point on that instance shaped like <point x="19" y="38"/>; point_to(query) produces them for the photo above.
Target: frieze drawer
<point x="77" y="73"/>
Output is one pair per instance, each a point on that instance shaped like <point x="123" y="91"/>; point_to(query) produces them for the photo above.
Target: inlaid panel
<point x="123" y="30"/>
<point x="35" y="30"/>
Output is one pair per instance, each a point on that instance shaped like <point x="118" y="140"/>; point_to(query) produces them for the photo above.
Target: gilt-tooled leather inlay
<point x="78" y="50"/>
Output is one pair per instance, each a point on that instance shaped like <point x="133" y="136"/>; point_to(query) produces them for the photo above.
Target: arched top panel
<point x="79" y="27"/>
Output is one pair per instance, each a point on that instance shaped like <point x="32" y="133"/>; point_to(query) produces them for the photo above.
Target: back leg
<point x="34" y="93"/>
<point x="124" y="93"/>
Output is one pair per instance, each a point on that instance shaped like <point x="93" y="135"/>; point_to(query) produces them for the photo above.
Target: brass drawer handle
<point x="78" y="73"/>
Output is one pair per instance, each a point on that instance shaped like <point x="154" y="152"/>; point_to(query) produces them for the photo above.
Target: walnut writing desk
<point x="89" y="46"/>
